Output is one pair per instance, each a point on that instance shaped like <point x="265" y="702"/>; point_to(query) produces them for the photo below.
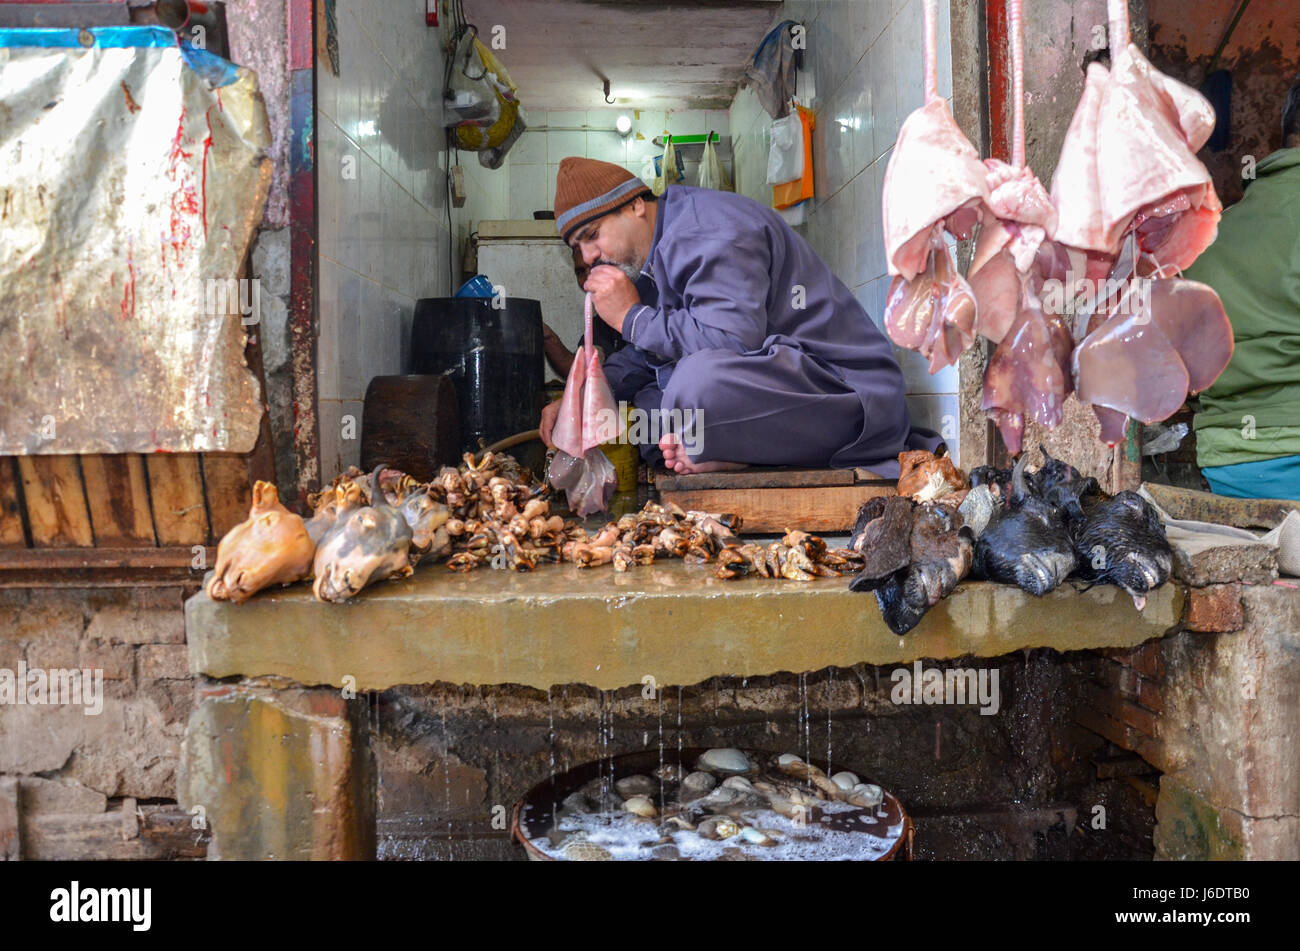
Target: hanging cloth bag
<point x="712" y="174"/>
<point x="785" y="157"/>
<point x="801" y="189"/>
<point x="669" y="172"/>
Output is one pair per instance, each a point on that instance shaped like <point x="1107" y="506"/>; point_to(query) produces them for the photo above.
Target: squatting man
<point x="729" y="314"/>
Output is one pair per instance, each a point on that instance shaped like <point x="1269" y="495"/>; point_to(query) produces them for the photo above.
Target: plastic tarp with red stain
<point x="133" y="174"/>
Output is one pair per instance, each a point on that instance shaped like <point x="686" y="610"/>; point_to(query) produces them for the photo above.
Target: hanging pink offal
<point x="588" y="417"/>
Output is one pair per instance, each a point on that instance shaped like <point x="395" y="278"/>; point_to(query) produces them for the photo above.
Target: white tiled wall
<point x="535" y="158"/>
<point x="381" y="204"/>
<point x="862" y="76"/>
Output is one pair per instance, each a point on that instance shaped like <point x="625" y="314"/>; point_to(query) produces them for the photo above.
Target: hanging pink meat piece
<point x="1193" y="319"/>
<point x="600" y="419"/>
<point x="588" y="417"/>
<point x="1144" y="358"/>
<point x="996" y="286"/>
<point x="1027" y="375"/>
<point x="1113" y="424"/>
<point x="1150" y="128"/>
<point x="934" y="313"/>
<point x="933" y="173"/>
<point x="934" y="180"/>
<point x="1076" y="185"/>
<point x="1129" y="158"/>
<point x="588" y="414"/>
<point x="1018" y="217"/>
<point x="1128" y="364"/>
<point x="567" y="435"/>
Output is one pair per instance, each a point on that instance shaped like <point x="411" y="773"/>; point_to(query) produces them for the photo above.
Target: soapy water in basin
<point x="631" y="838"/>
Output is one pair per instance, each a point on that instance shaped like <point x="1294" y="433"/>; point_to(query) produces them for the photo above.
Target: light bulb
<point x="623" y="124"/>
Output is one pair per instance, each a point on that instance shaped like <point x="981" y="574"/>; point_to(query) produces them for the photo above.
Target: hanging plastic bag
<point x="712" y="173"/>
<point x="589" y="483"/>
<point x="785" y="157"/>
<point x="791" y="193"/>
<point x="668" y="168"/>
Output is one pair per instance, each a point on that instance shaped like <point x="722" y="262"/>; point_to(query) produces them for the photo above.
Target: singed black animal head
<point x="1026" y="544"/>
<point x="991" y="476"/>
<point x="1122" y="542"/>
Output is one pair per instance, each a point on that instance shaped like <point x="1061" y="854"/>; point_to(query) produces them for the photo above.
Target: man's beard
<point x="631" y="270"/>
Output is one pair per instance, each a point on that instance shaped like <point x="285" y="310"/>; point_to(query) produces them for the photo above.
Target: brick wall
<point x="97" y="786"/>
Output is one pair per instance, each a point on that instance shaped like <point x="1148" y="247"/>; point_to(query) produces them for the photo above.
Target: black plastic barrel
<point x="493" y="356"/>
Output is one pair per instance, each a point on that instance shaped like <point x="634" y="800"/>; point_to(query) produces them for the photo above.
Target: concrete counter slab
<point x="673" y="621"/>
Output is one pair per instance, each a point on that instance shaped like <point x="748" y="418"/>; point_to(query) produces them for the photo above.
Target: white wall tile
<point x="327" y="178"/>
<point x="527" y="190"/>
<point x="688" y="122"/>
<point x="916" y="373"/>
<point x="856" y="99"/>
<point x="566" y="117"/>
<point x="637" y="149"/>
<point x="330" y="452"/>
<point x="649" y="122"/>
<point x="350" y="309"/>
<point x="371" y="337"/>
<point x="351" y="71"/>
<point x="877" y="263"/>
<point x="350" y="448"/>
<point x="906" y="39"/>
<point x="606" y="146"/>
<point x="529" y="150"/>
<point x="944" y="50"/>
<point x="369" y="213"/>
<point x="837" y="123"/>
<point x="882" y="78"/>
<point x="563" y="144"/>
<point x="327" y="346"/>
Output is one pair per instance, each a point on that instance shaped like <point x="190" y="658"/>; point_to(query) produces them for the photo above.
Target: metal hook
<point x="607" y="99"/>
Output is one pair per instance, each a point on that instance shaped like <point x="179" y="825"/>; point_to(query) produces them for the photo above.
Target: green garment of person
<point x="1251" y="414"/>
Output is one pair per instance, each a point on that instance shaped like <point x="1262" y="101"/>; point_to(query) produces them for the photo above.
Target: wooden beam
<point x="756" y="478"/>
<point x="56" y="501"/>
<point x="824" y="509"/>
<point x="148" y="832"/>
<point x="1208" y="507"/>
<point x="180" y="516"/>
<point x="53" y="559"/>
<point x="10" y="841"/>
<point x="228" y="490"/>
<point x="12" y="532"/>
<point x="117" y="494"/>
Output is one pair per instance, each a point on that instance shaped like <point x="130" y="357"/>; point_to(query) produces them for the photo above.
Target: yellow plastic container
<point x="625" y="458"/>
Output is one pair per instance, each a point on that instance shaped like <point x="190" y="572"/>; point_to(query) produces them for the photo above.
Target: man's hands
<point x="550" y="412"/>
<point x="614" y="294"/>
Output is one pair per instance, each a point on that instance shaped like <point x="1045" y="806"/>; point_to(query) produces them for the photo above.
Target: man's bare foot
<point x="676" y="460"/>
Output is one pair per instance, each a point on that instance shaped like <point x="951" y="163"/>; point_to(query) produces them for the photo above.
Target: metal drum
<point x="493" y="356"/>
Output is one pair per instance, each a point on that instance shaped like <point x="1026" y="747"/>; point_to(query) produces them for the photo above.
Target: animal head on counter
<point x="1026" y="542"/>
<point x="271" y="547"/>
<point x="924" y="476"/>
<point x="366" y="543"/>
<point x="913" y="556"/>
<point x="1121" y="541"/>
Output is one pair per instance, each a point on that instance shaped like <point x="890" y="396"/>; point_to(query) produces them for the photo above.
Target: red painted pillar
<point x="302" y="243"/>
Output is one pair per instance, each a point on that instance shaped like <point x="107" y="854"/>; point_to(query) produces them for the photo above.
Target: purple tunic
<point x="742" y="321"/>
